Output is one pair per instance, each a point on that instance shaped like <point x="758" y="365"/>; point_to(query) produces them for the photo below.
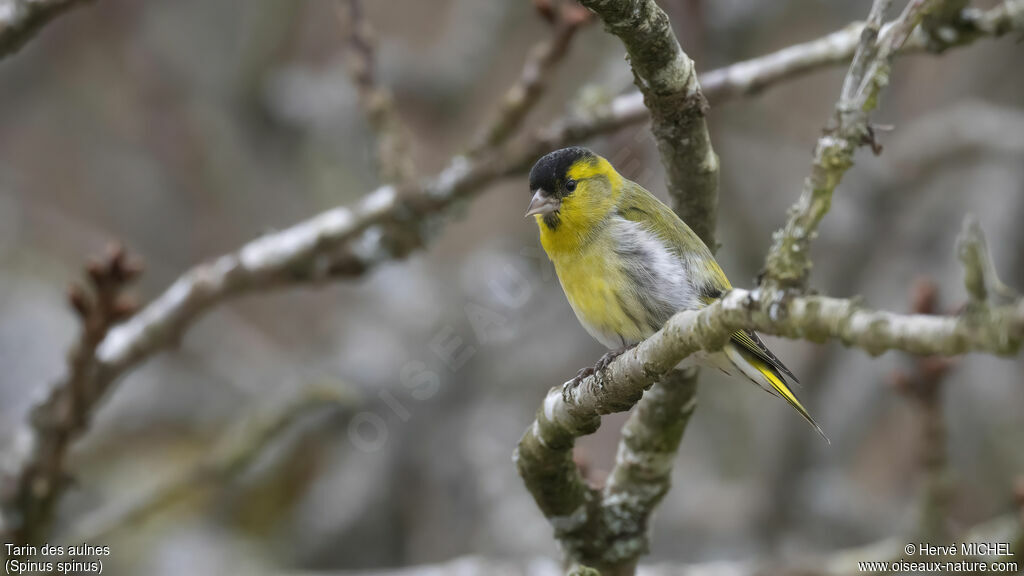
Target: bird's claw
<point x="601" y="364"/>
<point x="583" y="373"/>
<point x="608" y="357"/>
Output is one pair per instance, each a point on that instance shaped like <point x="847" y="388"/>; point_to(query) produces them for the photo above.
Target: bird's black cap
<point x="549" y="172"/>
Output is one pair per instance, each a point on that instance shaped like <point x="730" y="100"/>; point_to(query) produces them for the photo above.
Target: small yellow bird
<point x="627" y="263"/>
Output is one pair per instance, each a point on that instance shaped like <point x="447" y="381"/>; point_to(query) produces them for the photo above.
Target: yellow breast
<point x="600" y="293"/>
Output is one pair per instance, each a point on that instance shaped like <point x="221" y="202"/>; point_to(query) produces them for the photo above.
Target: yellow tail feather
<point x="763" y="373"/>
<point x="783" y="390"/>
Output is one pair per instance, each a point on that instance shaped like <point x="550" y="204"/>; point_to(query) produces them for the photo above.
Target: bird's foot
<point x="583" y="373"/>
<point x="608" y="357"/>
<point x="601" y="364"/>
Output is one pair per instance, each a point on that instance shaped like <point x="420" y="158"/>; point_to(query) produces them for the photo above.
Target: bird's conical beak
<point x="542" y="203"/>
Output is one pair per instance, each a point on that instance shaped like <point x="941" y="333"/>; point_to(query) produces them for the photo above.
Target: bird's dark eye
<point x="570" y="185"/>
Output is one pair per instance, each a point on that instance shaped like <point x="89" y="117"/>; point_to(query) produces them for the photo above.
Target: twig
<point x="394" y="159"/>
<point x="788" y="264"/>
<point x="233" y="453"/>
<point x="21" y="19"/>
<point x="980" y="277"/>
<point x="30" y="491"/>
<point x="529" y="87"/>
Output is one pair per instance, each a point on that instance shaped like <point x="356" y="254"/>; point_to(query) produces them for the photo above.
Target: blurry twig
<point x="980" y="277"/>
<point x="236" y="449"/>
<point x="923" y="386"/>
<point x="31" y="486"/>
<point x="394" y="158"/>
<point x="21" y="19"/>
<point x="566" y="18"/>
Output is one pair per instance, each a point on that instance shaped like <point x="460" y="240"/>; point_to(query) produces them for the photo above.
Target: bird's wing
<point x="751" y="343"/>
<point x="639" y="205"/>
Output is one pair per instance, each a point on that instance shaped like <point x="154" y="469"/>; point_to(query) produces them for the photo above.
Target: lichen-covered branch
<point x="21" y="19"/>
<point x="667" y="78"/>
<point x="394" y="159"/>
<point x="574" y="409"/>
<point x="788" y="264"/>
<point x="641" y="476"/>
<point x="541" y="61"/>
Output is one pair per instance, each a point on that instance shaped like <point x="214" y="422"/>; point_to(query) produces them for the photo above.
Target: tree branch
<point x="642" y="474"/>
<point x="667" y="78"/>
<point x="21" y="19"/>
<point x="570" y="411"/>
<point x="31" y="488"/>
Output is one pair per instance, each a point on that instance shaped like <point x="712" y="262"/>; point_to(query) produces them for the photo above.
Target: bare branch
<point x="394" y="159"/>
<point x="529" y="87"/>
<point x="21" y="19"/>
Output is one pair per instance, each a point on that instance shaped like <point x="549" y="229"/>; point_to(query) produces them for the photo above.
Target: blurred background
<point x="184" y="129"/>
